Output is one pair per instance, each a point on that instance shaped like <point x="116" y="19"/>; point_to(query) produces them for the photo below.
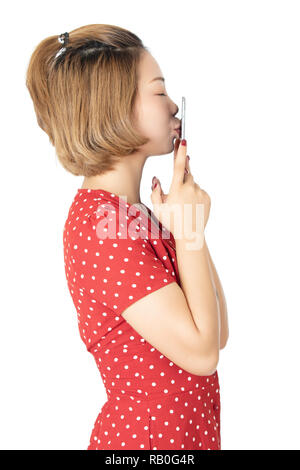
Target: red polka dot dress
<point x="116" y="253"/>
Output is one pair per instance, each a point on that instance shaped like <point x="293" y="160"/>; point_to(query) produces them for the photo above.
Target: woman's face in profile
<point x="155" y="111"/>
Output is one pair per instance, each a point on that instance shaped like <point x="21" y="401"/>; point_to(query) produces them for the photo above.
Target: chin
<point x="164" y="148"/>
<point x="170" y="146"/>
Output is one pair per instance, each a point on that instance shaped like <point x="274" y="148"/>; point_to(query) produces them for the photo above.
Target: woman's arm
<point x="198" y="287"/>
<point x="224" y="331"/>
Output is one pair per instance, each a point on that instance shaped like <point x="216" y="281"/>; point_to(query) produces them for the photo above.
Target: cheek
<point x="154" y="117"/>
<point x="158" y="112"/>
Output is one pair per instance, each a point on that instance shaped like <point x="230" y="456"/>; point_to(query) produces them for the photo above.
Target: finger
<point x="156" y="180"/>
<point x="177" y="142"/>
<point x="179" y="165"/>
<point x="187" y="163"/>
<point x="164" y="197"/>
<point x="162" y="194"/>
<point x="187" y="173"/>
<point x="156" y="196"/>
<point x="188" y="177"/>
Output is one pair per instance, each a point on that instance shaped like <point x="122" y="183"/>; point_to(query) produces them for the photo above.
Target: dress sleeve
<point x="119" y="271"/>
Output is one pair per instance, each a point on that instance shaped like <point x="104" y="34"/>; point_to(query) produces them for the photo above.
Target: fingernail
<point x="183" y="142"/>
<point x="188" y="157"/>
<point x="155" y="185"/>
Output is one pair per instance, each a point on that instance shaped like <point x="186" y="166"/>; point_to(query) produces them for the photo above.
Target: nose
<point x="177" y="109"/>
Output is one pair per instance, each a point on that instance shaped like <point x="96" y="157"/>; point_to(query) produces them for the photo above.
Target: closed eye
<point x="161" y="94"/>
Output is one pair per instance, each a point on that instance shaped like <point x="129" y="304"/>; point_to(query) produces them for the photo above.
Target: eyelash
<point x="161" y="94"/>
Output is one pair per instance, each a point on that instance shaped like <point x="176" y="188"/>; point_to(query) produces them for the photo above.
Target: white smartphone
<point x="183" y="118"/>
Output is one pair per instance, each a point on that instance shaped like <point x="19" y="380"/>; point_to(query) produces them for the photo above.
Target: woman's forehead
<point x="149" y="71"/>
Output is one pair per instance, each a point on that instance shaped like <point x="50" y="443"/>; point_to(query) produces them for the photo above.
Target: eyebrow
<point x="157" y="78"/>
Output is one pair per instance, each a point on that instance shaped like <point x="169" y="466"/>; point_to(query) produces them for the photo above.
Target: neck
<point x="124" y="181"/>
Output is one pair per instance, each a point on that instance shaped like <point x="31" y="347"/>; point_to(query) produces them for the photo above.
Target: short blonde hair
<point x="84" y="98"/>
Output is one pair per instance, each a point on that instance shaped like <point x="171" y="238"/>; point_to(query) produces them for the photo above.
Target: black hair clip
<point x="63" y="39"/>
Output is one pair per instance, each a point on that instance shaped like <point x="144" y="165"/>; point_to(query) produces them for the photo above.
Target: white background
<point x="237" y="63"/>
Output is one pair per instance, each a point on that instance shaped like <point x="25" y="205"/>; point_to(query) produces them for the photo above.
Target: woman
<point x="151" y="309"/>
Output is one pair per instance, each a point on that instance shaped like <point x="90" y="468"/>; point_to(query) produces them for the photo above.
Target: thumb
<point x="156" y="195"/>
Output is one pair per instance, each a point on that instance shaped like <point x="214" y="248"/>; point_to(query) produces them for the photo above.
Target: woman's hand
<point x="184" y="193"/>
